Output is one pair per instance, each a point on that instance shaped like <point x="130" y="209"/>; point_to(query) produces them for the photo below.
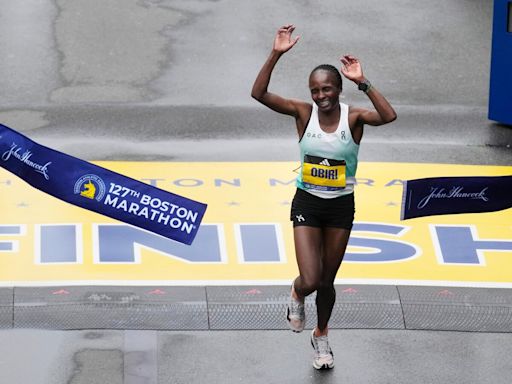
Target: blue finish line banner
<point x="451" y="195"/>
<point x="97" y="189"/>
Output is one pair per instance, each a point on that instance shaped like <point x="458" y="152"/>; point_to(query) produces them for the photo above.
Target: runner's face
<point x="324" y="89"/>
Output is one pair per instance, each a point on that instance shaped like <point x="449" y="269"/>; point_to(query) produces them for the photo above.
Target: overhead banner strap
<point x="97" y="189"/>
<point x="451" y="195"/>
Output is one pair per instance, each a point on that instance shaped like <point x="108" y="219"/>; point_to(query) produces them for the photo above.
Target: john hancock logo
<point x="456" y="192"/>
<point x="24" y="156"/>
<point x="90" y="187"/>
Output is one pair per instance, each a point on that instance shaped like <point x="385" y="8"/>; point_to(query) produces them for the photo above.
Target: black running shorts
<point x="313" y="211"/>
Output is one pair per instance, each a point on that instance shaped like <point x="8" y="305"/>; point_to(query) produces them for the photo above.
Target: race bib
<point x="323" y="174"/>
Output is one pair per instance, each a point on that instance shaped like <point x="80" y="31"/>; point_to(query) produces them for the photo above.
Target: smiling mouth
<point x="323" y="103"/>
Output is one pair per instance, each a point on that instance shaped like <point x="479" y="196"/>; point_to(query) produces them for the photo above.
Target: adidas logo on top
<point x="325" y="162"/>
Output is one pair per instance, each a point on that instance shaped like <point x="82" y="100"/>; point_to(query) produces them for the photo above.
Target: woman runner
<point x="323" y="206"/>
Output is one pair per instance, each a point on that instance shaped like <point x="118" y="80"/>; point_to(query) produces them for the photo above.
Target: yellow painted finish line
<point x="246" y="236"/>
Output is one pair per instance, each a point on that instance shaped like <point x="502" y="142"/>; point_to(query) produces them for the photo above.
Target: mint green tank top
<point x="338" y="145"/>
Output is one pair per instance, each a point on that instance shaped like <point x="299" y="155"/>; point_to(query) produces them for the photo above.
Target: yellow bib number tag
<point x="327" y="177"/>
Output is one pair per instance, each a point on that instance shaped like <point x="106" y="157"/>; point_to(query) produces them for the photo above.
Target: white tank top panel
<point x="327" y="149"/>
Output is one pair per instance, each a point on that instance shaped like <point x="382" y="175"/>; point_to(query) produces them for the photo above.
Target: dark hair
<point x="329" y="68"/>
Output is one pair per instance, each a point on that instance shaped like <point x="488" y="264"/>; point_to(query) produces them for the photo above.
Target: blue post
<point x="500" y="93"/>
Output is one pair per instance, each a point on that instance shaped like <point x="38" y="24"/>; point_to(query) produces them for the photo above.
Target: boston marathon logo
<point x="134" y="203"/>
<point x="24" y="156"/>
<point x="91" y="187"/>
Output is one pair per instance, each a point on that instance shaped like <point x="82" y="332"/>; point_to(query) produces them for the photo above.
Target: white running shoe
<point x="295" y="314"/>
<point x="324" y="358"/>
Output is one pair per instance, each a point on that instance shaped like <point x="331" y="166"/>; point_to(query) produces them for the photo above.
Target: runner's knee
<point x="308" y="284"/>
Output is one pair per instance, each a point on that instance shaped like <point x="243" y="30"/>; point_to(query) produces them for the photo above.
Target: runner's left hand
<point x="351" y="68"/>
